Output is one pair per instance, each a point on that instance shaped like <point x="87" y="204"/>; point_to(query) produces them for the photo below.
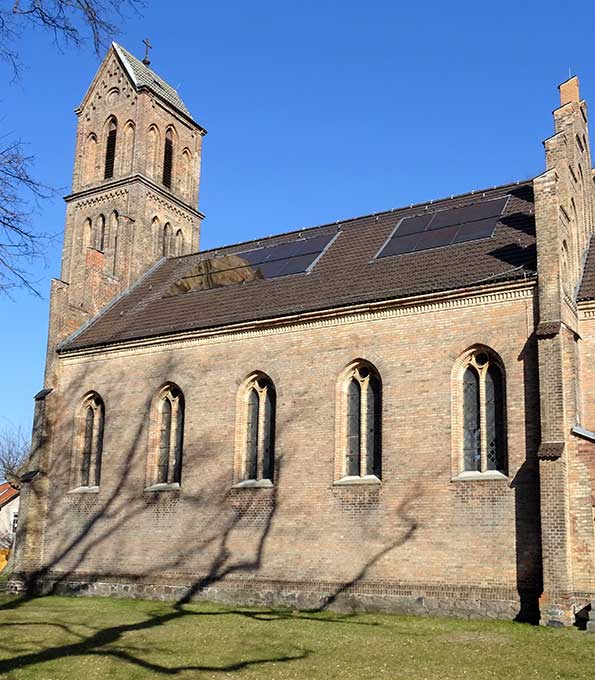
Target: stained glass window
<point x="483" y="415"/>
<point x="252" y="434"/>
<point x="92" y="441"/>
<point x="260" y="430"/>
<point x="171" y="434"/>
<point x="471" y="431"/>
<point x="495" y="444"/>
<point x="87" y="446"/>
<point x="363" y="423"/>
<point x="353" y="427"/>
<point x="164" y="440"/>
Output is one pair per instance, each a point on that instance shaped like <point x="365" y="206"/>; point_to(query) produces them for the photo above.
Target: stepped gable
<point x="587" y="287"/>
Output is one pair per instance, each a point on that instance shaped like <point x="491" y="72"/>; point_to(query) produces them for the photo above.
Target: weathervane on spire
<point x="148" y="46"/>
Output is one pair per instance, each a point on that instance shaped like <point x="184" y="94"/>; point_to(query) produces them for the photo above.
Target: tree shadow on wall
<point x="111" y="523"/>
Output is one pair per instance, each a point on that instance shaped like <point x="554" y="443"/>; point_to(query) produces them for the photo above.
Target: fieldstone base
<point x="414" y="599"/>
<point x="591" y="621"/>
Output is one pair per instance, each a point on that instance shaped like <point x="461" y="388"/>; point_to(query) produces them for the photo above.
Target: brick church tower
<point x="134" y="201"/>
<point x="135" y="189"/>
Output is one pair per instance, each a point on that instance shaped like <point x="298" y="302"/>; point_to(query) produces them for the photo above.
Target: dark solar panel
<point x="444" y="227"/>
<point x="293" y="257"/>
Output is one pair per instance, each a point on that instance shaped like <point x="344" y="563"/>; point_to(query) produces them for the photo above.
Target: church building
<point x="388" y="412"/>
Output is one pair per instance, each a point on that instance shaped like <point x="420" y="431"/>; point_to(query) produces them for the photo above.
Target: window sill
<point x="164" y="486"/>
<point x="253" y="484"/>
<point x="370" y="480"/>
<point x="488" y="475"/>
<point x="85" y="489"/>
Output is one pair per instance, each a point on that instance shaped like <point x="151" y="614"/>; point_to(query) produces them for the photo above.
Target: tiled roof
<point x="7" y="494"/>
<point x="587" y="287"/>
<point x="143" y="76"/>
<point x="347" y="273"/>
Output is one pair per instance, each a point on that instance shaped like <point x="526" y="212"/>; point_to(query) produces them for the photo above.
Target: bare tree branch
<point x="14" y="450"/>
<point x="20" y="243"/>
<point x="71" y="22"/>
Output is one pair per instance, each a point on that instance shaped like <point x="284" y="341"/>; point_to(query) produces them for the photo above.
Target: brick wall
<point x="418" y="531"/>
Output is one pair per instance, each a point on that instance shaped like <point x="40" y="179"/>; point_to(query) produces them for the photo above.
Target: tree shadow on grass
<point x="98" y="642"/>
<point x="114" y="516"/>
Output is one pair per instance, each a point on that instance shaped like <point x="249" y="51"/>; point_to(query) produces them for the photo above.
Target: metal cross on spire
<point x="148" y="46"/>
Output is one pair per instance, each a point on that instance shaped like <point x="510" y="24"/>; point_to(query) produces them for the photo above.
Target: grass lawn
<point x="90" y="638"/>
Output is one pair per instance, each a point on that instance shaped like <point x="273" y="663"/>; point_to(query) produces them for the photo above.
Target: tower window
<point x="110" y="149"/>
<point x="101" y="234"/>
<point x="168" y="159"/>
<point x="179" y="243"/>
<point x="87" y="234"/>
<point x="114" y="229"/>
<point x="166" y="246"/>
<point x="90" y="159"/>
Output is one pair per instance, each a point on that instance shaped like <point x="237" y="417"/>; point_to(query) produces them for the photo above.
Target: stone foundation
<point x="591" y="620"/>
<point x="412" y="599"/>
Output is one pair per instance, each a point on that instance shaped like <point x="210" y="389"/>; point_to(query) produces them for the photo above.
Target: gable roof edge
<point x="109" y="305"/>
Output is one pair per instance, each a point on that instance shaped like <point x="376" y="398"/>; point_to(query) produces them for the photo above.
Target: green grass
<point x="90" y="638"/>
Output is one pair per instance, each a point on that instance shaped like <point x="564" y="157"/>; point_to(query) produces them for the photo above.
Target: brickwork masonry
<point x="369" y="596"/>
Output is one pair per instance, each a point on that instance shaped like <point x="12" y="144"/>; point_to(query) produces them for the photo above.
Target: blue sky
<point x="316" y="110"/>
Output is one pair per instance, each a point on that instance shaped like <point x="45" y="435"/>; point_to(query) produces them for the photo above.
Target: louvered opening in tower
<point x="168" y="161"/>
<point x="110" y="151"/>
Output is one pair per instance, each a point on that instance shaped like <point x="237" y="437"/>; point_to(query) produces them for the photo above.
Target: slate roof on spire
<point x="143" y="76"/>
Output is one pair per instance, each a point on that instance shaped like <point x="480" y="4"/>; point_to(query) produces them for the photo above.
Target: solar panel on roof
<point x="444" y="227"/>
<point x="270" y="262"/>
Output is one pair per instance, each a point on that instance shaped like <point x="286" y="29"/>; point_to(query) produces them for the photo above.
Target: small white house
<point x="9" y="514"/>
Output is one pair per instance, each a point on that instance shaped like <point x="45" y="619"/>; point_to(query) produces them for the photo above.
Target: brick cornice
<point x="586" y="310"/>
<point x="123" y="182"/>
<point x="462" y="298"/>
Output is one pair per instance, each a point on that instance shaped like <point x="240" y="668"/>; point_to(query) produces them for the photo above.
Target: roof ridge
<point x="338" y="223"/>
<point x="143" y="76"/>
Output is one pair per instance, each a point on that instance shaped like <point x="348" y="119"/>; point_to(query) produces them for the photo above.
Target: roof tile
<point x="347" y="273"/>
<point x="143" y="76"/>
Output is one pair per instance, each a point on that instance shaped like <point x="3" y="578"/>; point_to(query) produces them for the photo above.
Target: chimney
<point x="569" y="91"/>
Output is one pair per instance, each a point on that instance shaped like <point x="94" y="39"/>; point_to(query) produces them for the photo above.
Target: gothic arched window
<point x="259" y="402"/>
<point x="157" y="235"/>
<point x="110" y="148"/>
<point x="168" y="436"/>
<point x="87" y="234"/>
<point x="152" y="151"/>
<point x="363" y="422"/>
<point x="128" y="153"/>
<point x="166" y="245"/>
<point x="114" y="225"/>
<point x="482" y="414"/>
<point x="168" y="158"/>
<point x="179" y="243"/>
<point x="101" y="237"/>
<point x="186" y="170"/>
<point x="90" y="159"/>
<point x="90" y="439"/>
